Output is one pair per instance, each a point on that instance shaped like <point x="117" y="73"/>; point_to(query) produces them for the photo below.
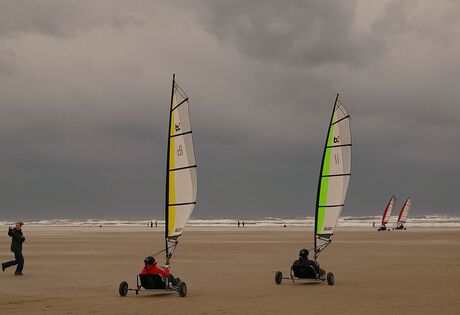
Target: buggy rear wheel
<point x="330" y="278"/>
<point x="123" y="288"/>
<point x="182" y="289"/>
<point x="278" y="277"/>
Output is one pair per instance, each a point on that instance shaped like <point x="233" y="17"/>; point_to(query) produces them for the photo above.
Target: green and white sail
<point x="181" y="177"/>
<point x="334" y="176"/>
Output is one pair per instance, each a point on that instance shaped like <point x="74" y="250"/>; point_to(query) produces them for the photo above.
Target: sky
<point x="85" y="89"/>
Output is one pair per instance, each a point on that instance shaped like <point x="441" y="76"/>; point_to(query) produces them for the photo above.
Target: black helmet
<point x="303" y="253"/>
<point x="149" y="260"/>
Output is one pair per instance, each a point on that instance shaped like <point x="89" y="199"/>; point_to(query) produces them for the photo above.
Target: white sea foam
<point x="348" y="221"/>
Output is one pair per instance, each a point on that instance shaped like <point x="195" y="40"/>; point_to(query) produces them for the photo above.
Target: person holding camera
<point x="17" y="238"/>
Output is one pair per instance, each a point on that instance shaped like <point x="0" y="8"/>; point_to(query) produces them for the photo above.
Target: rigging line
<point x="179" y="104"/>
<point x="163" y="250"/>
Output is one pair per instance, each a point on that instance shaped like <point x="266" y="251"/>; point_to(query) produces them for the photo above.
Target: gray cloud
<point x="297" y="33"/>
<point x="54" y="18"/>
<point x="85" y="89"/>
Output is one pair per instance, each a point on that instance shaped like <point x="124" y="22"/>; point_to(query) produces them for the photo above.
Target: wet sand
<point x="231" y="271"/>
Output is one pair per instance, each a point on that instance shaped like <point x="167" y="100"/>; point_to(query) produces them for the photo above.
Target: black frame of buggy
<point x="153" y="283"/>
<point x="304" y="274"/>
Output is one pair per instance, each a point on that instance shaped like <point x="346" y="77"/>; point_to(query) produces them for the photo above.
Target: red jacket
<point x="154" y="270"/>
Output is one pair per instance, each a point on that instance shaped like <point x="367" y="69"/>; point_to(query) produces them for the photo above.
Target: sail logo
<point x="337" y="139"/>
<point x="180" y="151"/>
<point x="177" y="127"/>
<point x="178" y="229"/>
<point x="328" y="228"/>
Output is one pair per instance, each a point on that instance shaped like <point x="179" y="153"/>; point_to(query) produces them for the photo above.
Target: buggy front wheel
<point x="278" y="277"/>
<point x="182" y="289"/>
<point x="123" y="288"/>
<point x="330" y="278"/>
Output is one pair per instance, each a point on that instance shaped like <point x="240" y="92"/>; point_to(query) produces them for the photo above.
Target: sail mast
<point x="320" y="175"/>
<point x="167" y="171"/>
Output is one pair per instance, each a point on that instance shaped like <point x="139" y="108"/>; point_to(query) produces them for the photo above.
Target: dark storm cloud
<point x="55" y="18"/>
<point x="85" y="88"/>
<point x="295" y="32"/>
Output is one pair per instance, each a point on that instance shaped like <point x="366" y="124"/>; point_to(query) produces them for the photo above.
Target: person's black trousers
<point x="18" y="260"/>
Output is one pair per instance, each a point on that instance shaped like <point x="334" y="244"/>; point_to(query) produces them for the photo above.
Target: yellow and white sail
<point x="181" y="178"/>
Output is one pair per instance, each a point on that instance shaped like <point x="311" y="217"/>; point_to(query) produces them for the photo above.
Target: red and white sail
<point x="388" y="209"/>
<point x="402" y="218"/>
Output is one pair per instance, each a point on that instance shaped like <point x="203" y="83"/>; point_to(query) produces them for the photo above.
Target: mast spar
<point x="167" y="170"/>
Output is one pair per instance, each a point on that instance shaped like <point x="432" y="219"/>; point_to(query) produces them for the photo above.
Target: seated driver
<point x="151" y="268"/>
<point x="304" y="261"/>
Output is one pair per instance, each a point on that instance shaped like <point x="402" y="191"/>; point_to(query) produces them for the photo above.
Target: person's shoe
<point x="18" y="274"/>
<point x="3" y="267"/>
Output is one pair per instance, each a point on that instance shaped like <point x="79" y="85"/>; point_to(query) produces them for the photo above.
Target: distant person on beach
<point x="156" y="223"/>
<point x="239" y="223"/>
<point x="151" y="224"/>
<point x="243" y="223"/>
<point x="304" y="261"/>
<point x="17" y="238"/>
<point x="373" y="224"/>
<point x="151" y="268"/>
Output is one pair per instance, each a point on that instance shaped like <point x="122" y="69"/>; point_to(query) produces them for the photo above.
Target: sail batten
<point x="334" y="176"/>
<point x="181" y="178"/>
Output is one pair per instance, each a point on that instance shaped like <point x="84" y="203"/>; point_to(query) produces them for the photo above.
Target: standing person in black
<point x="17" y="238"/>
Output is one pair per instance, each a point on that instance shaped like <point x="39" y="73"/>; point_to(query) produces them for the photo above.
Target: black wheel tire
<point x="278" y="277"/>
<point x="182" y="289"/>
<point x="137" y="291"/>
<point x="330" y="278"/>
<point x="123" y="288"/>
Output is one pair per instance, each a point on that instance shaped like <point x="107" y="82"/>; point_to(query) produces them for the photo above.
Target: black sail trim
<point x="175" y="107"/>
<point x="348" y="116"/>
<point x="181" y="134"/>
<point x="182" y="168"/>
<point x="338" y="146"/>
<point x="335" y="175"/>
<point x="331" y="206"/>
<point x="181" y="204"/>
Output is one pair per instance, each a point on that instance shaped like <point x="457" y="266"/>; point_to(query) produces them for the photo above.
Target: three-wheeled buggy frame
<point x="305" y="274"/>
<point x="153" y="283"/>
<point x="400" y="226"/>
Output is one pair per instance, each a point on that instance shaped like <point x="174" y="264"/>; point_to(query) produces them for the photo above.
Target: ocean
<point x="426" y="221"/>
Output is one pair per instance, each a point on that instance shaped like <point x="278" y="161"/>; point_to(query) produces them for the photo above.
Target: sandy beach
<point x="231" y="271"/>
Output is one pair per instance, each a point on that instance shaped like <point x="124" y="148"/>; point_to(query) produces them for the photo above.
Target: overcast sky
<point x="85" y="89"/>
